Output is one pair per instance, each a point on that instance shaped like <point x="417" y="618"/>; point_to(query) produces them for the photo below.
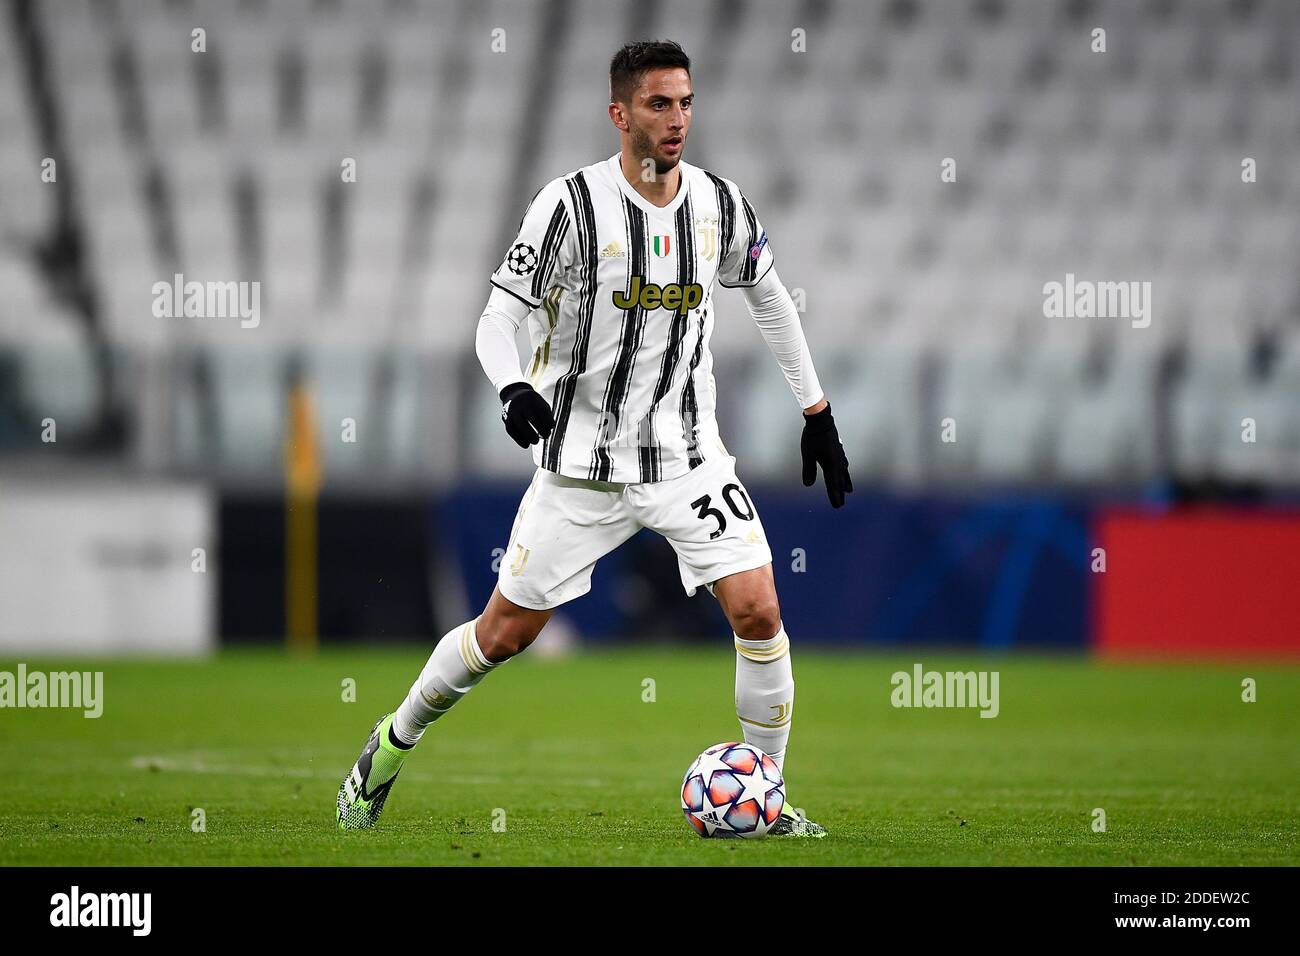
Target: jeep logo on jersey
<point x="650" y="295"/>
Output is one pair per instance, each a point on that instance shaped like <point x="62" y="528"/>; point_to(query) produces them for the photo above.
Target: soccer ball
<point x="733" y="790"/>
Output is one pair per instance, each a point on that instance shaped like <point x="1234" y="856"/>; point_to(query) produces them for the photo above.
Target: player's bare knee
<point x="502" y="642"/>
<point x="503" y="636"/>
<point x="757" y="619"/>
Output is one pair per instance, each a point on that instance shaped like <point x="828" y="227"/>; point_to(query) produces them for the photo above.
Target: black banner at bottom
<point x="302" y="905"/>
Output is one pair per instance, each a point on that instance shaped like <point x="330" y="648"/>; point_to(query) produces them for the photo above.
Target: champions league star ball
<point x="521" y="259"/>
<point x="733" y="790"/>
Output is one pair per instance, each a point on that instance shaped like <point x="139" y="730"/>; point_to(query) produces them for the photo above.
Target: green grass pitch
<point x="587" y="772"/>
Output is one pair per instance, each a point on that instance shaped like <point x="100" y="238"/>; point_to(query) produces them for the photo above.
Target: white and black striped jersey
<point x="621" y="292"/>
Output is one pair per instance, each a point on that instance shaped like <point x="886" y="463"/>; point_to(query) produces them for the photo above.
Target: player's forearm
<point x="495" y="340"/>
<point x="778" y="320"/>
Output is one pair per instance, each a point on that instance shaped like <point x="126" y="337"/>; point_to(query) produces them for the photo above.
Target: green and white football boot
<point x="365" y="789"/>
<point x="793" y="822"/>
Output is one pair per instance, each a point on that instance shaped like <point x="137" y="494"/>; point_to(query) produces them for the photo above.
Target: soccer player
<point x="613" y="268"/>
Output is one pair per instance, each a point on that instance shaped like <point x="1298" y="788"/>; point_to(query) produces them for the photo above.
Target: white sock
<point x="454" y="667"/>
<point x="765" y="693"/>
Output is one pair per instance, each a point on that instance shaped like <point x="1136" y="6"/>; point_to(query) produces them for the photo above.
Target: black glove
<point x="525" y="413"/>
<point x="820" y="445"/>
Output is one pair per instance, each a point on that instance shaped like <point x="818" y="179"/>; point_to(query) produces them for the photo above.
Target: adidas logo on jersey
<point x="613" y="251"/>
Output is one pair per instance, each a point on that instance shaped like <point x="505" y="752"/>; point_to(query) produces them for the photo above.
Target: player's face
<point x="659" y="117"/>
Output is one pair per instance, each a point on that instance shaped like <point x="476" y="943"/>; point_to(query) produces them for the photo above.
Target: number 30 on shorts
<point x="730" y="493"/>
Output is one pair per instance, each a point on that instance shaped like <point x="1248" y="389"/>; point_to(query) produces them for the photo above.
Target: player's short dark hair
<point x="631" y="62"/>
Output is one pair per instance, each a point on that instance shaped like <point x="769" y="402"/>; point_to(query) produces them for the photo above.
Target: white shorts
<point x="565" y="525"/>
